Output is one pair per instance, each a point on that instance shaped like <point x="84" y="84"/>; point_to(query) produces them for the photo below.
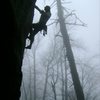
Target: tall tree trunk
<point x="17" y="18"/>
<point x="66" y="90"/>
<point x="30" y="83"/>
<point x="54" y="90"/>
<point x="75" y="77"/>
<point x="34" y="94"/>
<point x="46" y="80"/>
<point x="62" y="75"/>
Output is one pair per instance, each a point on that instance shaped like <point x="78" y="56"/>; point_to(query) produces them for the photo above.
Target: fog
<point x="85" y="42"/>
<point x="89" y="12"/>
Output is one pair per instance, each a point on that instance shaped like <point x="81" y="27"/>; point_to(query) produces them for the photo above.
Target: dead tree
<point x="66" y="90"/>
<point x="69" y="54"/>
<point x="46" y="81"/>
<point x="62" y="76"/>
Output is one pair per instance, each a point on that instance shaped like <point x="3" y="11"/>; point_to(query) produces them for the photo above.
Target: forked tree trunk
<point x="62" y="76"/>
<point x="66" y="90"/>
<point x="75" y="77"/>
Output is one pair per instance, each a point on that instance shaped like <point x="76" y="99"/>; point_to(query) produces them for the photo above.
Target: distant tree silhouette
<point x="69" y="54"/>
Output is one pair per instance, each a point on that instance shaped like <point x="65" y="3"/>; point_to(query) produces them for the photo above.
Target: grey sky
<point x="89" y="12"/>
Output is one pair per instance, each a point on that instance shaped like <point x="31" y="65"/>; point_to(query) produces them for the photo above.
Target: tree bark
<point x="17" y="17"/>
<point x="75" y="77"/>
<point x="34" y="94"/>
<point x="54" y="90"/>
<point x="66" y="90"/>
<point x="46" y="81"/>
<point x="62" y="76"/>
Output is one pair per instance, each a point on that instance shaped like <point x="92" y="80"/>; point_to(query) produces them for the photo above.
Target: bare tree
<point x="75" y="77"/>
<point x="62" y="80"/>
<point x="87" y="77"/>
<point x="54" y="80"/>
<point x="46" y="76"/>
<point x="66" y="91"/>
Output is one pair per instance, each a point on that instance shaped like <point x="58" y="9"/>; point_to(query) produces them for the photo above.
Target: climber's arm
<point x="38" y="9"/>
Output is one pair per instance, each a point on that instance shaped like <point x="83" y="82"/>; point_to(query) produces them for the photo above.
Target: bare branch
<point x="70" y="14"/>
<point x="65" y="9"/>
<point x="55" y="21"/>
<point x="77" y="19"/>
<point x="53" y="4"/>
<point x="58" y="35"/>
<point x="64" y="2"/>
<point x="76" y="24"/>
<point x="52" y="23"/>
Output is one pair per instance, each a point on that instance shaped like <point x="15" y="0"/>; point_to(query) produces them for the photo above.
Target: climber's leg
<point x="31" y="37"/>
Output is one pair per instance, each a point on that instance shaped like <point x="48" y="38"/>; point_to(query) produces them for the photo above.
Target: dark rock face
<point x="16" y="16"/>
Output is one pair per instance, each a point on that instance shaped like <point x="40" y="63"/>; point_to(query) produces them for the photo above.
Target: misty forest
<point x="56" y="68"/>
<point x="61" y="64"/>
